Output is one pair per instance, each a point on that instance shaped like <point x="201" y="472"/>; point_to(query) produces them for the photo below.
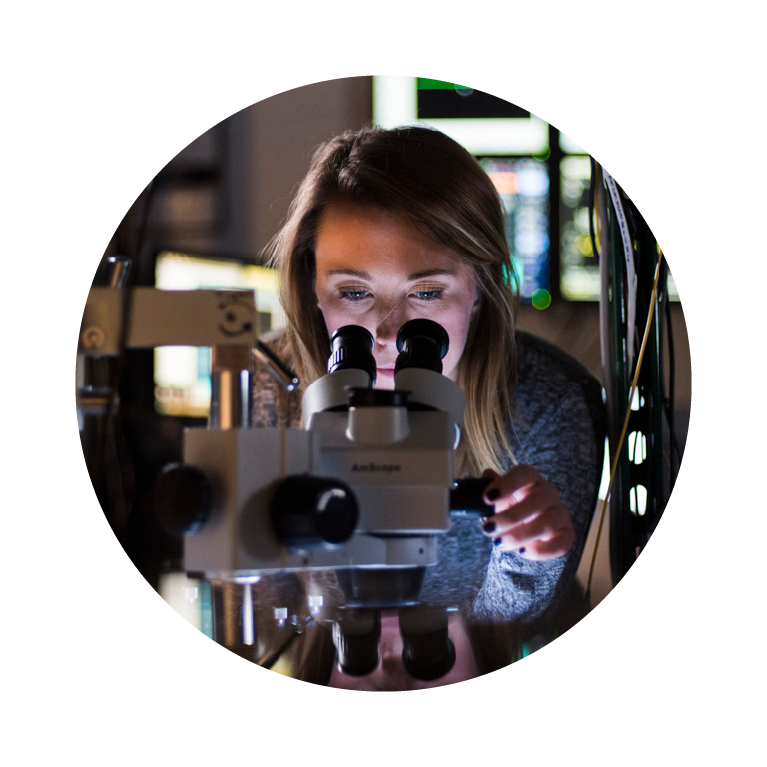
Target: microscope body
<point x="366" y="489"/>
<point x="392" y="452"/>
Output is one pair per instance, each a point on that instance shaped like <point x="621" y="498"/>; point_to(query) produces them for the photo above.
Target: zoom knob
<point x="183" y="499"/>
<point x="313" y="511"/>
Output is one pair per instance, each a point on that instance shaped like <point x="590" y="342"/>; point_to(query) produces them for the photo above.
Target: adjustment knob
<point x="313" y="511"/>
<point x="183" y="499"/>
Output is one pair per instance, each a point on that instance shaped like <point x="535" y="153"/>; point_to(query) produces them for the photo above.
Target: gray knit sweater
<point x="559" y="428"/>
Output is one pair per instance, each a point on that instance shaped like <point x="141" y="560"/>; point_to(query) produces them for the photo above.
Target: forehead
<point x="352" y="237"/>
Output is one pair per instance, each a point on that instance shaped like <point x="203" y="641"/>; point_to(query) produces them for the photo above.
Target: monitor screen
<point x="437" y="99"/>
<point x="523" y="186"/>
<point x="480" y="122"/>
<point x="514" y="147"/>
<point x="182" y="373"/>
<point x="578" y="268"/>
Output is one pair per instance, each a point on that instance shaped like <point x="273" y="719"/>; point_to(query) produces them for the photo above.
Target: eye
<point x="353" y="294"/>
<point x="432" y="294"/>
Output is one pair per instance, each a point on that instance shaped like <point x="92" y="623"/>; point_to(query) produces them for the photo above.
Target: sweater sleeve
<point x="559" y="430"/>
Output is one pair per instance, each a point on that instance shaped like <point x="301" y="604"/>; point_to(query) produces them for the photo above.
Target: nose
<point x="388" y="323"/>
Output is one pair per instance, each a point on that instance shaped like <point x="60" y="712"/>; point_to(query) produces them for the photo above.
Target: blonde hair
<point x="433" y="182"/>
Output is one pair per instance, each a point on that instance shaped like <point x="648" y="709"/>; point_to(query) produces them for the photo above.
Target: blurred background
<point x="206" y="218"/>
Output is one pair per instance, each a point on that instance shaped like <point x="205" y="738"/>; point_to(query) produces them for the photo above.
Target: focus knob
<point x="183" y="499"/>
<point x="313" y="511"/>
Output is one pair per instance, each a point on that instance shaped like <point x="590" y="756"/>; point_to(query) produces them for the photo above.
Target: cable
<point x="619" y="447"/>
<point x="673" y="444"/>
<point x="592" y="206"/>
<point x="628" y="255"/>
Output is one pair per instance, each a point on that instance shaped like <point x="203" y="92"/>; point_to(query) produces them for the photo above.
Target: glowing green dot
<point x="541" y="298"/>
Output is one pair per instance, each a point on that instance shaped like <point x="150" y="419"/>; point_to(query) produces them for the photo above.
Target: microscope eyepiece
<point x="352" y="347"/>
<point x="356" y="639"/>
<point x="421" y="343"/>
<point x="428" y="656"/>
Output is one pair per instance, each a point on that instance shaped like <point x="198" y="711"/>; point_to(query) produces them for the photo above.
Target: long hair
<point x="430" y="180"/>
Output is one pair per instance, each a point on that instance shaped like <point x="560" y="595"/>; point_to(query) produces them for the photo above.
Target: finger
<point x="543" y="526"/>
<point x="553" y="548"/>
<point x="542" y="549"/>
<point x="512" y="485"/>
<point x="528" y="502"/>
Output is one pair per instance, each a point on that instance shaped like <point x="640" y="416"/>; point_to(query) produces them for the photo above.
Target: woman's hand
<point x="530" y="517"/>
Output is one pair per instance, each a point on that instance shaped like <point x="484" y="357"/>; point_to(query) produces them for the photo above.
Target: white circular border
<point x="97" y="662"/>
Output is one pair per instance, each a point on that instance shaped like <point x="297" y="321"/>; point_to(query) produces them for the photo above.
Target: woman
<point x="388" y="226"/>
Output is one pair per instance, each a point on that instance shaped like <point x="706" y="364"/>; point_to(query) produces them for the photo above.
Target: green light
<point x="543" y="155"/>
<point x="541" y="298"/>
<point x="427" y="84"/>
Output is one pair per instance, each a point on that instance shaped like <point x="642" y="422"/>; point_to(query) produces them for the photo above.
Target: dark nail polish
<point x="497" y="542"/>
<point x="493" y="494"/>
<point x="489" y="526"/>
<point x="522" y="550"/>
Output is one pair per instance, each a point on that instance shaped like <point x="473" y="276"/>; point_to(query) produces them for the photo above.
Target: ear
<point x="477" y="304"/>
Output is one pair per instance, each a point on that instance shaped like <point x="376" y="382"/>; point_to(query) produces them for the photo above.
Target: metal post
<point x="230" y="409"/>
<point x="231" y="384"/>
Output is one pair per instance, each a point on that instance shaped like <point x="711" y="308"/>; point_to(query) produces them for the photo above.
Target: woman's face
<point x="376" y="270"/>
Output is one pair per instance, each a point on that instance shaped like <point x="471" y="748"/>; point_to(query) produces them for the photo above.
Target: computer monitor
<point x="484" y="124"/>
<point x="182" y="373"/>
<point x="523" y="186"/>
<point x="578" y="266"/>
<point x="512" y="144"/>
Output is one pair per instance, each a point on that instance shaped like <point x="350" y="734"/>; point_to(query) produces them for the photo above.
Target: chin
<point x="384" y="378"/>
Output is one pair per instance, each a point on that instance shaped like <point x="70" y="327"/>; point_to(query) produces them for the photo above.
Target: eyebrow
<point x="415" y="276"/>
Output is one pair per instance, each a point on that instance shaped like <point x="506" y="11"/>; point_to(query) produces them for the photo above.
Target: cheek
<point x="457" y="329"/>
<point x="334" y="318"/>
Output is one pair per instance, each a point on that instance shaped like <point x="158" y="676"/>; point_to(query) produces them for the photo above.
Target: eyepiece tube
<point x="352" y="347"/>
<point x="421" y="343"/>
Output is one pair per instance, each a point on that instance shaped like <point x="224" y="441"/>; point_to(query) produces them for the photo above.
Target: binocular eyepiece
<point x="352" y="347"/>
<point x="421" y="343"/>
<point x="428" y="653"/>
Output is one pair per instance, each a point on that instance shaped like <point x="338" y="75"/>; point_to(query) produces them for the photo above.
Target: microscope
<point x="366" y="489"/>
